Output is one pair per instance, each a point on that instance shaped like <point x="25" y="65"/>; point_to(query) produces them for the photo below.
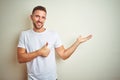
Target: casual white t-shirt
<point x="40" y="68"/>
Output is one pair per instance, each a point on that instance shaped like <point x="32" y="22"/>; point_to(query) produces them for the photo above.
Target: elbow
<point x="21" y="61"/>
<point x="65" y="57"/>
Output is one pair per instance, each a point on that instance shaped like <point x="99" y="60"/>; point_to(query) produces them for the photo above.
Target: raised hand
<point x="44" y="51"/>
<point x="81" y="39"/>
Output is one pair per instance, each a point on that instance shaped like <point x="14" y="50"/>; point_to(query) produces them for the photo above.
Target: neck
<point x="39" y="30"/>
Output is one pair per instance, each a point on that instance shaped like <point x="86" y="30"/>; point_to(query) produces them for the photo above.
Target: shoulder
<point x="52" y="32"/>
<point x="26" y="32"/>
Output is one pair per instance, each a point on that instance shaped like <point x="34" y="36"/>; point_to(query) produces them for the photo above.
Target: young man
<point x="37" y="48"/>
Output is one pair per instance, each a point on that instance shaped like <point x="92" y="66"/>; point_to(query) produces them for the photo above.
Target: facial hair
<point x="36" y="25"/>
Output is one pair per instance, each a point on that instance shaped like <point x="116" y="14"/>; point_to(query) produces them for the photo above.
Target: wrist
<point x="78" y="42"/>
<point x="37" y="52"/>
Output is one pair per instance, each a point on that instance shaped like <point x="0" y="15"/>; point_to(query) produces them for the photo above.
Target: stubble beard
<point x="35" y="26"/>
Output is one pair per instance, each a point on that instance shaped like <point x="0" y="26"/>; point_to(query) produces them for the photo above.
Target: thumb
<point x="46" y="44"/>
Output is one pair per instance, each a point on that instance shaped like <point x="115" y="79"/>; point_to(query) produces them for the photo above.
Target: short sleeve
<point x="21" y="42"/>
<point x="58" y="42"/>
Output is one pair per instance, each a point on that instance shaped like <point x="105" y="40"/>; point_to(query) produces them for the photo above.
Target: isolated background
<point x="97" y="59"/>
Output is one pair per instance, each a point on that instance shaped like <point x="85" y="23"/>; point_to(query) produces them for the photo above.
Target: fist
<point x="44" y="51"/>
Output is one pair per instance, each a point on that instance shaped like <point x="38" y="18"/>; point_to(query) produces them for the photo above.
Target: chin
<point x="38" y="27"/>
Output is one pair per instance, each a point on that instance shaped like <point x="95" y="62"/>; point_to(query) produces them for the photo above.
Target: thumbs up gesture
<point x="44" y="51"/>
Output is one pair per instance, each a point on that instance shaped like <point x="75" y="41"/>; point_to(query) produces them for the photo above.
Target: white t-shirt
<point x="40" y="68"/>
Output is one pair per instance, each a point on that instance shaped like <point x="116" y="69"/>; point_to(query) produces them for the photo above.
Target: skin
<point x="38" y="18"/>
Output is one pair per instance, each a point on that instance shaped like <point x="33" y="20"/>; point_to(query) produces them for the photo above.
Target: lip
<point x="39" y="23"/>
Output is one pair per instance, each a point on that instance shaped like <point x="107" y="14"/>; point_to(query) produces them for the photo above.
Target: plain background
<point x="96" y="59"/>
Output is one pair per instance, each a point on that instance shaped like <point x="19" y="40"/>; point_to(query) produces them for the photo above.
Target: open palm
<point x="84" y="39"/>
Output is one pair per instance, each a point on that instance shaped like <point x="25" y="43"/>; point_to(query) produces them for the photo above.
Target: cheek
<point x="35" y="19"/>
<point x="43" y="20"/>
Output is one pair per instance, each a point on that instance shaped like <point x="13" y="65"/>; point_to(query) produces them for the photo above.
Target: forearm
<point x="23" y="56"/>
<point x="69" y="51"/>
<point x="26" y="57"/>
<point x="66" y="53"/>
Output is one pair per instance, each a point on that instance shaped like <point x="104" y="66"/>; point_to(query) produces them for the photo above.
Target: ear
<point x="31" y="17"/>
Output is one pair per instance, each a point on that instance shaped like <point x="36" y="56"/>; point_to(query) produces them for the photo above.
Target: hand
<point x="44" y="51"/>
<point x="81" y="39"/>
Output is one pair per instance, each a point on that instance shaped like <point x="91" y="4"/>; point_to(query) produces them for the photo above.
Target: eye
<point x="44" y="17"/>
<point x="37" y="16"/>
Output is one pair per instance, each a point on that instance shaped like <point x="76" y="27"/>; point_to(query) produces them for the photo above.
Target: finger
<point x="90" y="36"/>
<point x="46" y="44"/>
<point x="79" y="37"/>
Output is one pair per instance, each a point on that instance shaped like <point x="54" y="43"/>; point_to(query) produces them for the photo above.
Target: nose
<point x="39" y="18"/>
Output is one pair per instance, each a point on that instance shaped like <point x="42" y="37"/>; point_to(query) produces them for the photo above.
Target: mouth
<point x="39" y="23"/>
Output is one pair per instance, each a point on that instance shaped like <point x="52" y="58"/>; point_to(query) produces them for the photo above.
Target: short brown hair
<point x="39" y="8"/>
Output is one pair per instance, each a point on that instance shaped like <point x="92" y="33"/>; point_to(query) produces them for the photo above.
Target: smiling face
<point x="38" y="19"/>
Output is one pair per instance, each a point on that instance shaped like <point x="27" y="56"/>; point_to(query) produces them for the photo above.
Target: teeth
<point x="39" y="23"/>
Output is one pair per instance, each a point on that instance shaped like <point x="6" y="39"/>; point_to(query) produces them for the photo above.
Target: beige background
<point x="97" y="59"/>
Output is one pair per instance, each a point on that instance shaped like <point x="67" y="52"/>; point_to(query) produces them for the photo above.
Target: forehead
<point x="39" y="12"/>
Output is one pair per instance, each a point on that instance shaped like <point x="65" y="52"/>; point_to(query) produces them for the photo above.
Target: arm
<point x="66" y="53"/>
<point x="23" y="56"/>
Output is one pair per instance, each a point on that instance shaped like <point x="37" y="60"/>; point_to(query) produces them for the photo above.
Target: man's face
<point x="38" y="18"/>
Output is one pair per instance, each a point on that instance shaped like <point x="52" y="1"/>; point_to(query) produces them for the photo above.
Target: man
<point x="37" y="48"/>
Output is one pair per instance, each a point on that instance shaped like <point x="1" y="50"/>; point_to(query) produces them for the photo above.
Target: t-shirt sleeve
<point x="58" y="42"/>
<point x="21" y="42"/>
